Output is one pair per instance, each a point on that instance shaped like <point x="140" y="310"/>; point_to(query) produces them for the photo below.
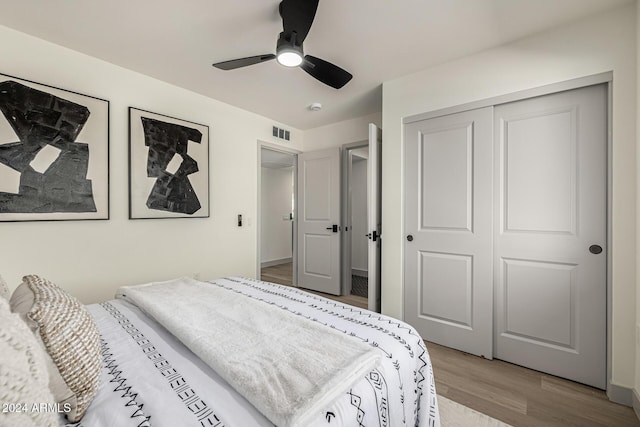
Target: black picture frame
<point x="168" y="166"/>
<point x="54" y="153"/>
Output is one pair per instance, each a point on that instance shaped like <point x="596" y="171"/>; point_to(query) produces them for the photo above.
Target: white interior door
<point x="550" y="225"/>
<point x="448" y="229"/>
<point x="374" y="216"/>
<point x="319" y="220"/>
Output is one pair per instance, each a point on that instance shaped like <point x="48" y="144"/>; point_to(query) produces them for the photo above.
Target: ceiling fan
<point x="297" y="17"/>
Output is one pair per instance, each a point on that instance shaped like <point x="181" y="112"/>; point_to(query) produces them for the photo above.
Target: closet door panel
<point x="448" y="225"/>
<point x="551" y="233"/>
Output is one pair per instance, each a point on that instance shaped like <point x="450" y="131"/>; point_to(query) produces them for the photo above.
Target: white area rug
<point x="453" y="414"/>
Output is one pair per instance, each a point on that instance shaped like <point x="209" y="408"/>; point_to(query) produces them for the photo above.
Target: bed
<point x="160" y="361"/>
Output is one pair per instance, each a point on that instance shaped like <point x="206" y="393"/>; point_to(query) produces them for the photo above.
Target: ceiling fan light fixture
<point x="289" y="57"/>
<point x="288" y="52"/>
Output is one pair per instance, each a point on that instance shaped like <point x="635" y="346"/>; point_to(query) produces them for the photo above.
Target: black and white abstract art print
<point x="168" y="167"/>
<point x="54" y="153"/>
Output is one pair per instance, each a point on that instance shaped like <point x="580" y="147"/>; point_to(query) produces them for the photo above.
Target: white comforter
<point x="151" y="379"/>
<point x="289" y="367"/>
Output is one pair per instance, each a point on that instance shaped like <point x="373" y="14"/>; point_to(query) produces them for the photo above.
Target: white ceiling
<point x="375" y="40"/>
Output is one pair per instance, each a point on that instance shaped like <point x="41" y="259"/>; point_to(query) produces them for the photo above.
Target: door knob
<point x="333" y="228"/>
<point x="410" y="238"/>
<point x="595" y="249"/>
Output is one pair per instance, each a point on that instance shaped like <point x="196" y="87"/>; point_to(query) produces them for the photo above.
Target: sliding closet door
<point x="448" y="230"/>
<point x="551" y="233"/>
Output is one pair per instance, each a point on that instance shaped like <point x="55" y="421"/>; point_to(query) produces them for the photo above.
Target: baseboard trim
<point x="358" y="272"/>
<point x="276" y="262"/>
<point x="621" y="395"/>
<point x="636" y="403"/>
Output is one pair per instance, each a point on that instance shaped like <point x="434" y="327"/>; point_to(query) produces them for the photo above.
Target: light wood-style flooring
<point x="283" y="274"/>
<point x="510" y="393"/>
<point x="520" y="396"/>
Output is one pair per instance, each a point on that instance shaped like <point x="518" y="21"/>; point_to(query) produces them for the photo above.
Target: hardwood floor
<point x="520" y="396"/>
<point x="283" y="274"/>
<point x="510" y="393"/>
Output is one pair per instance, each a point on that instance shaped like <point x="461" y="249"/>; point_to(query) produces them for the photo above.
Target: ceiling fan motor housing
<point x="288" y="52"/>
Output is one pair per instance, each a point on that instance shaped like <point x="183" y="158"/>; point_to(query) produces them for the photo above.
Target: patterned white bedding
<point x="151" y="379"/>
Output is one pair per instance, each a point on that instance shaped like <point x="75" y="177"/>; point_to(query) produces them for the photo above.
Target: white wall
<point x="276" y="196"/>
<point x="599" y="44"/>
<point x="337" y="134"/>
<point x="359" y="241"/>
<point x="92" y="258"/>
<point x="637" y="341"/>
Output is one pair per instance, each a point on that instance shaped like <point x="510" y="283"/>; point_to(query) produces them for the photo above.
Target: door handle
<point x="333" y="228"/>
<point x="595" y="249"/>
<point x="373" y="235"/>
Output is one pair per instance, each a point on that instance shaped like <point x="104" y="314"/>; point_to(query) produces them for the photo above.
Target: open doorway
<point x="355" y="199"/>
<point x="335" y="219"/>
<point x="277" y="246"/>
<point x="362" y="219"/>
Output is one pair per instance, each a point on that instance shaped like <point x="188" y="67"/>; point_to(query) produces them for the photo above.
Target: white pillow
<point x="24" y="380"/>
<point x="69" y="336"/>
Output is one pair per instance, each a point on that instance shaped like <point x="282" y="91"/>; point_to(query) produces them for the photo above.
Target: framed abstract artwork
<point x="54" y="153"/>
<point x="168" y="167"/>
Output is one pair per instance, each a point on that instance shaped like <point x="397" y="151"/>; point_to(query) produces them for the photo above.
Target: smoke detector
<point x="316" y="106"/>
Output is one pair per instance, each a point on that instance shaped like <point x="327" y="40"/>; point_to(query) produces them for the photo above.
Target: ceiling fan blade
<point x="326" y="72"/>
<point x="243" y="62"/>
<point x="297" y="16"/>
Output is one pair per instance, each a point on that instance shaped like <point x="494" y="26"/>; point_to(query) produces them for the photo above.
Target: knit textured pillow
<point x="70" y="337"/>
<point x="23" y="375"/>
